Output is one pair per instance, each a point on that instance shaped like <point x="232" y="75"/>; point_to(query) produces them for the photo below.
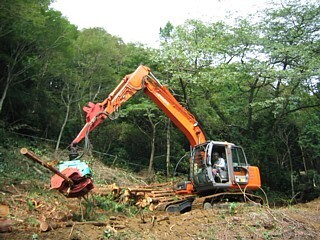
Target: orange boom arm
<point x="142" y="79"/>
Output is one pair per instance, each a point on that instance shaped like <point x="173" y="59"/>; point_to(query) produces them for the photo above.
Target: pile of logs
<point x="155" y="196"/>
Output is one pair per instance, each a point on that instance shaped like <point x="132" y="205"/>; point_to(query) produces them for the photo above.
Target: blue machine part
<point x="82" y="167"/>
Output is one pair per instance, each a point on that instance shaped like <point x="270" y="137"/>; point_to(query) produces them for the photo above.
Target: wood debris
<point x="117" y="222"/>
<point x="153" y="196"/>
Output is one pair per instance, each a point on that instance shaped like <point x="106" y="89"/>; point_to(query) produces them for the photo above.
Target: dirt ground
<point x="224" y="221"/>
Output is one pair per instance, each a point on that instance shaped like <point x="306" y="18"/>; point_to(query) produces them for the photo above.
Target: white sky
<point x="140" y="20"/>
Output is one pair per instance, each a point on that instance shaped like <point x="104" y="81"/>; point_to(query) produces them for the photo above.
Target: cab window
<point x="238" y="157"/>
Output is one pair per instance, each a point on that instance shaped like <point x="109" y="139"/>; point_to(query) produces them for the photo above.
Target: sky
<point x="140" y="20"/>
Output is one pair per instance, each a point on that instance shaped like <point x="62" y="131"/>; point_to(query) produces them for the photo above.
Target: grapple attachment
<point x="80" y="174"/>
<point x="72" y="178"/>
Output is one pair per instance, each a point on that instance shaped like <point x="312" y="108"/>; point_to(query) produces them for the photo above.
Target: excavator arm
<point x="142" y="79"/>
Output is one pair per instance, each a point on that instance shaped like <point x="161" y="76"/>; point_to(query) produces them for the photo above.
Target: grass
<point x="107" y="203"/>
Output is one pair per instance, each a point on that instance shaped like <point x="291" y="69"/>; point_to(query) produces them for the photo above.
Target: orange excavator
<point x="206" y="181"/>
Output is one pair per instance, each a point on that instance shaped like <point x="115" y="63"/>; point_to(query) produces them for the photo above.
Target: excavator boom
<point x="142" y="79"/>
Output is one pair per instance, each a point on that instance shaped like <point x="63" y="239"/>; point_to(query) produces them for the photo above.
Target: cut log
<point x="163" y="191"/>
<point x="139" y="190"/>
<point x="163" y="195"/>
<point x="31" y="155"/>
<point x="98" y="224"/>
<point x="4" y="210"/>
<point x="5" y="225"/>
<point x="118" y="226"/>
<point x="44" y="226"/>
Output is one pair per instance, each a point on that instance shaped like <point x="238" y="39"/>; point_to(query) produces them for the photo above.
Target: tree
<point x="68" y="97"/>
<point x="168" y="140"/>
<point x="247" y="83"/>
<point x="17" y="39"/>
<point x="140" y="112"/>
<point x="33" y="36"/>
<point x="91" y="74"/>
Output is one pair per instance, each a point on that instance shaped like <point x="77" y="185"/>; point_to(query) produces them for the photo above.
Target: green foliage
<point x="33" y="222"/>
<point x="107" y="233"/>
<point x="233" y="208"/>
<point x="107" y="203"/>
<point x="253" y="83"/>
<point x="30" y="204"/>
<point x="310" y="135"/>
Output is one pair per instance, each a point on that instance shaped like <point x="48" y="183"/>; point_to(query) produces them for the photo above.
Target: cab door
<point x="240" y="165"/>
<point x="202" y="167"/>
<point x="199" y="166"/>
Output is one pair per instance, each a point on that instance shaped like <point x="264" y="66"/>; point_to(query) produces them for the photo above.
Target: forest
<point x="254" y="83"/>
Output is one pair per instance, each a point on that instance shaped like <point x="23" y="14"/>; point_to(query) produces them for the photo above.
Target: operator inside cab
<point x="219" y="164"/>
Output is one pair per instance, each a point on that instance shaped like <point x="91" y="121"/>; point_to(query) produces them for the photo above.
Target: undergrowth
<point x="108" y="205"/>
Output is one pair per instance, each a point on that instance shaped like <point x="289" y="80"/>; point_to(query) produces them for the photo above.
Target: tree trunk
<point x="4" y="95"/>
<point x="67" y="102"/>
<point x="291" y="175"/>
<point x="168" y="148"/>
<point x="153" y="143"/>
<point x="62" y="129"/>
<point x="153" y="140"/>
<point x="303" y="158"/>
<point x="16" y="57"/>
<point x="286" y="137"/>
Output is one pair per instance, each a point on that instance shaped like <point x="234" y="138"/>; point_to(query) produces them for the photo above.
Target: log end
<point x="23" y="151"/>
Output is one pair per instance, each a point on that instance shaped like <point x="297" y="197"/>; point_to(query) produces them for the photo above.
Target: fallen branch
<point x="163" y="219"/>
<point x="172" y="227"/>
<point x="71" y="230"/>
<point x="45" y="226"/>
<point x="98" y="224"/>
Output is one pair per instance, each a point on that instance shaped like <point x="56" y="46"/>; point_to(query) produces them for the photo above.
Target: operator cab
<point x="206" y="176"/>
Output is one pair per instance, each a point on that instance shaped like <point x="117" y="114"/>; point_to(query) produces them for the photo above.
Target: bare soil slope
<point x="28" y="213"/>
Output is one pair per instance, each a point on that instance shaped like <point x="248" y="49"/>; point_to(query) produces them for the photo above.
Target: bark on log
<point x="4" y="210"/>
<point x="31" y="155"/>
<point x="139" y="190"/>
<point x="5" y="225"/>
